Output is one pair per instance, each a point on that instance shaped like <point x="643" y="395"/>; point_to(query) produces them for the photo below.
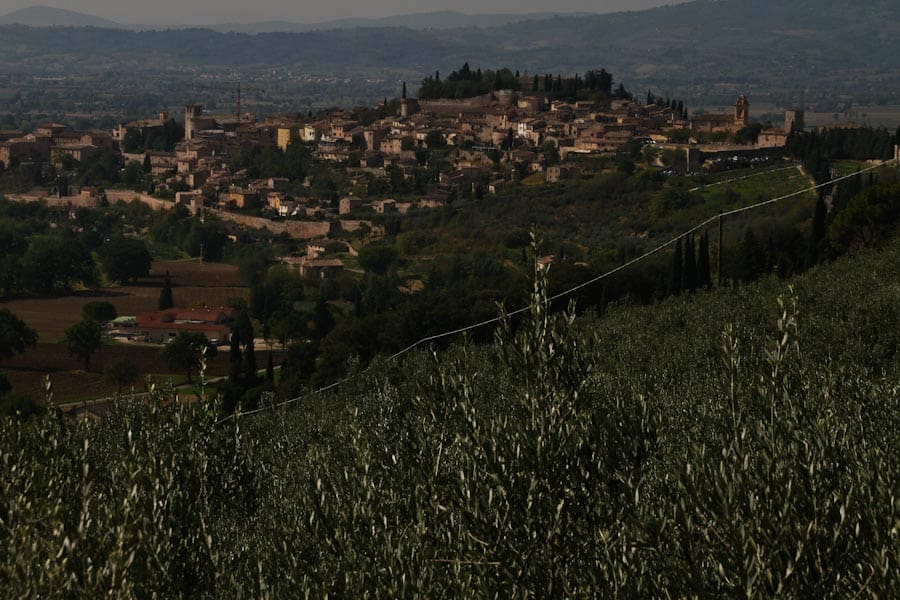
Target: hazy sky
<point x="308" y="11"/>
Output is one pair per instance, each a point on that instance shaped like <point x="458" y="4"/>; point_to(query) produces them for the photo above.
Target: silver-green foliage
<point x="650" y="453"/>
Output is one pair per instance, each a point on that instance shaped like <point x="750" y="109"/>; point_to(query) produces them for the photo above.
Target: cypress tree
<point x="234" y="358"/>
<point x="690" y="266"/>
<point x="62" y="183"/>
<point x="323" y="322"/>
<point x="677" y="267"/>
<point x="248" y="365"/>
<point x="704" y="277"/>
<point x="817" y="235"/>
<point x="166" y="300"/>
<point x="750" y="257"/>
<point x="770" y="256"/>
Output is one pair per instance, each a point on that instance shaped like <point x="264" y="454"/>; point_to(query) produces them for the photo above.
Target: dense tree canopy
<point x="186" y="351"/>
<point x="54" y="264"/>
<point x="867" y="218"/>
<point x="125" y="258"/>
<point x="15" y="335"/>
<point x="83" y="339"/>
<point x="121" y="372"/>
<point x="466" y="83"/>
<point x="377" y="258"/>
<point x="99" y="310"/>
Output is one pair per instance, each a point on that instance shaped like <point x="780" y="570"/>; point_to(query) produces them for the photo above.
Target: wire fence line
<point x="568" y="292"/>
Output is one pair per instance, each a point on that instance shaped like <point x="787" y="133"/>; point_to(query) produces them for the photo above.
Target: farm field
<point x="70" y="382"/>
<point x="193" y="284"/>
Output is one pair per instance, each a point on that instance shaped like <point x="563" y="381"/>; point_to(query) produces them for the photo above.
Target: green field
<point x="769" y="182"/>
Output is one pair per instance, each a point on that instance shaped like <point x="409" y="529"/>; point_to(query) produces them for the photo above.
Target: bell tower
<point x="191" y="112"/>
<point x="742" y="112"/>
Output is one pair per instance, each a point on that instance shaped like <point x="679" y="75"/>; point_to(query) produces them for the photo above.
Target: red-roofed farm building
<point x="161" y="326"/>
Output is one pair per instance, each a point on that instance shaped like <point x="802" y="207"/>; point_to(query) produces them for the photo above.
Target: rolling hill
<point x="47" y="16"/>
<point x="703" y="49"/>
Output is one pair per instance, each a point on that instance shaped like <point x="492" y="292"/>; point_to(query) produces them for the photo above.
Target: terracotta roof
<point x="193" y="327"/>
<point x="177" y="316"/>
<point x="713" y="118"/>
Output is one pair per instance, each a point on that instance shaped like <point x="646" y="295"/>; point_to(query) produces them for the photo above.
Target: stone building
<point x="728" y="123"/>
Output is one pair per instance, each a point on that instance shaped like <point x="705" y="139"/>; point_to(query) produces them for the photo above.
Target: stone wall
<point x="114" y="196"/>
<point x="304" y="230"/>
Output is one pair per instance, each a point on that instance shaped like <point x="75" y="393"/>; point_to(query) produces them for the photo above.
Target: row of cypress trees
<point x="690" y="264"/>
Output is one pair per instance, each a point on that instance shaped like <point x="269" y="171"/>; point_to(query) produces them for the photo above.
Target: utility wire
<point x="569" y="291"/>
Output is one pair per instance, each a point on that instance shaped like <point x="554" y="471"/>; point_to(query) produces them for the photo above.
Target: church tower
<point x="408" y="106"/>
<point x="191" y="113"/>
<point x="741" y="112"/>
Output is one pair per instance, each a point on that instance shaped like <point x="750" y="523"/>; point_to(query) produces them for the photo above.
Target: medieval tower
<point x="742" y="112"/>
<point x="192" y="112"/>
<point x="794" y="120"/>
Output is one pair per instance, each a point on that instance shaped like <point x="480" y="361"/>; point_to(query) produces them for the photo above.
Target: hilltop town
<point x="411" y="153"/>
<point x="351" y="232"/>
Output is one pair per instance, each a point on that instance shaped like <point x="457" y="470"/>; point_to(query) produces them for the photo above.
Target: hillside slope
<point x="727" y="443"/>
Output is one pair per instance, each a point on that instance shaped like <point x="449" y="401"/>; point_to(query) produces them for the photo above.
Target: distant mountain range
<point x="46" y="16"/>
<point x="784" y="51"/>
